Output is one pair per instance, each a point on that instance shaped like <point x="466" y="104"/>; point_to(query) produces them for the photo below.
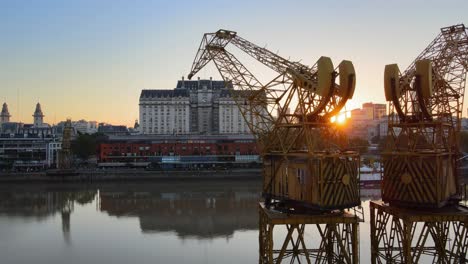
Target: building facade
<point x="368" y="122"/>
<point x="179" y="150"/>
<point x="202" y="107"/>
<point x="165" y="111"/>
<point x="85" y="127"/>
<point x="28" y="151"/>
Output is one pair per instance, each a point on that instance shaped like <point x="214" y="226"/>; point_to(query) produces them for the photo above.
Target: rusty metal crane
<point x="426" y="107"/>
<point x="305" y="162"/>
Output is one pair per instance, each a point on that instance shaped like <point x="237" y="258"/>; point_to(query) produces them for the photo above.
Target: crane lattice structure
<point x="420" y="160"/>
<point x="304" y="159"/>
<point x="305" y="162"/>
<point x="424" y="123"/>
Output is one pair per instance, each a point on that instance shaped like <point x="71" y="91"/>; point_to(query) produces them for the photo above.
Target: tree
<point x="375" y="140"/>
<point x="360" y="144"/>
<point x="85" y="145"/>
<point x="463" y="144"/>
<point x="383" y="143"/>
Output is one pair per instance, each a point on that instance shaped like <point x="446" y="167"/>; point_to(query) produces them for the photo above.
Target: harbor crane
<point x="425" y="106"/>
<point x="306" y="161"/>
<point x="420" y="219"/>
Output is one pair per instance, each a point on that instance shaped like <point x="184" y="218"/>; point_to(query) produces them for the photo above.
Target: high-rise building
<point x="368" y="112"/>
<point x="193" y="107"/>
<point x="380" y="110"/>
<point x="5" y="114"/>
<point x="368" y="122"/>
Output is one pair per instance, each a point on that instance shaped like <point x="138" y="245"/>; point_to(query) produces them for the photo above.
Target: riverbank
<point x="134" y="175"/>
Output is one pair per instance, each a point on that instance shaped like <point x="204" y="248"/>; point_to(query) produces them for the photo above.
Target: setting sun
<point x="340" y="118"/>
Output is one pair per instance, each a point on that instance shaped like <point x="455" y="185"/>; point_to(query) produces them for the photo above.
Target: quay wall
<point x="134" y="175"/>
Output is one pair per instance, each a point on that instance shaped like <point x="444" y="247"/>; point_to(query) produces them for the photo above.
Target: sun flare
<point x="340" y="118"/>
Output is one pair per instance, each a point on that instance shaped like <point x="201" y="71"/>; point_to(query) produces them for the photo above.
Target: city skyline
<point x="90" y="60"/>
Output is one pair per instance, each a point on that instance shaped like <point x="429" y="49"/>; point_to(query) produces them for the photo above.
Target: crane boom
<point x="325" y="102"/>
<point x="448" y="56"/>
<point x="222" y="38"/>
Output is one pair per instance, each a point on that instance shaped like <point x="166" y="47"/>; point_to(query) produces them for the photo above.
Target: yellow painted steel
<point x="325" y="181"/>
<point x="424" y="71"/>
<point x="392" y="81"/>
<point x="426" y="103"/>
<point x="400" y="235"/>
<point x="324" y="76"/>
<point x="306" y="163"/>
<point x="347" y="79"/>
<point x="335" y="237"/>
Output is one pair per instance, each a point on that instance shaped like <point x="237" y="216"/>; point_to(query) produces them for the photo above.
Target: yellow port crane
<point x="425" y="105"/>
<point x="306" y="163"/>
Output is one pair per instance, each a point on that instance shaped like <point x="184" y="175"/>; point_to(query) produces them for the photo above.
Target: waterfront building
<point x="28" y="146"/>
<point x="165" y="111"/>
<point x="5" y="114"/>
<point x="28" y="151"/>
<point x="231" y="120"/>
<point x="183" y="150"/>
<point x="194" y="107"/>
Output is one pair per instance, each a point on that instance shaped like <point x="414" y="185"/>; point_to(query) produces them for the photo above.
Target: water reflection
<point x="190" y="210"/>
<point x="211" y="222"/>
<point x="40" y="203"/>
<point x="199" y="210"/>
<point x="370" y="194"/>
<point x="129" y="222"/>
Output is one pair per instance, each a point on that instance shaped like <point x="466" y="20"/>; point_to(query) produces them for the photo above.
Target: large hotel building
<point x="193" y="107"/>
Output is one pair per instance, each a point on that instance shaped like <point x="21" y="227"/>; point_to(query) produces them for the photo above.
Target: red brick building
<point x="141" y="148"/>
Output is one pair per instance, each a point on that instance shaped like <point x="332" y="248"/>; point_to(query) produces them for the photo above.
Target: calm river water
<point x="170" y="222"/>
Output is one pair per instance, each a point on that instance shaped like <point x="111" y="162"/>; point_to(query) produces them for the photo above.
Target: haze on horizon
<point x="90" y="59"/>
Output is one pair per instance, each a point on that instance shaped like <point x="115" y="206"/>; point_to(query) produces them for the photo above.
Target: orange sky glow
<point x="91" y="59"/>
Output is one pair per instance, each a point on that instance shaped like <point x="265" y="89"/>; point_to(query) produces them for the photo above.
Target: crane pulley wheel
<point x="392" y="82"/>
<point x="347" y="79"/>
<point x="424" y="73"/>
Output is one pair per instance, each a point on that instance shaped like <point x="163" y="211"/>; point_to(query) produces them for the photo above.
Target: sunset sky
<point x="90" y="59"/>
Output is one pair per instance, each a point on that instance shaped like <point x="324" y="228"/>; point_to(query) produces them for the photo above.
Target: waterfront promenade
<point x="133" y="174"/>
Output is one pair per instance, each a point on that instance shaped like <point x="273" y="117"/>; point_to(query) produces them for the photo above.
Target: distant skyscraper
<point x="369" y="121"/>
<point x="4" y="115"/>
<point x="370" y="111"/>
<point x="380" y="110"/>
<point x="38" y="116"/>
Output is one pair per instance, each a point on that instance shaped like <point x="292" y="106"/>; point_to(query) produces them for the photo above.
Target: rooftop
<point x="164" y="93"/>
